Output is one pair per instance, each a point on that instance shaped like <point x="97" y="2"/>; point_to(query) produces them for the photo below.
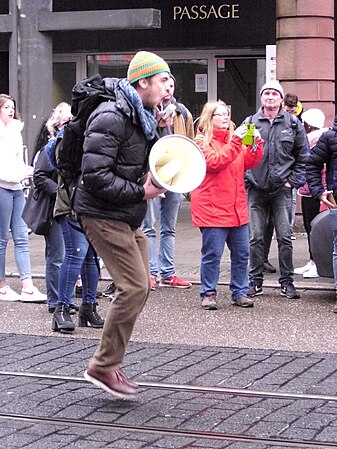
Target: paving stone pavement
<point x="278" y="346"/>
<point x="264" y="370"/>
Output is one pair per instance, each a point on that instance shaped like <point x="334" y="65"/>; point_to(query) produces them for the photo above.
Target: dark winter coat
<point x="324" y="152"/>
<point x="114" y="163"/>
<point x="285" y="152"/>
<point x="45" y="176"/>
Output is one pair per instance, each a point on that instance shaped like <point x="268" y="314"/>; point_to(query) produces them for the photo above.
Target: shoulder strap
<point x="183" y="111"/>
<point x="293" y="122"/>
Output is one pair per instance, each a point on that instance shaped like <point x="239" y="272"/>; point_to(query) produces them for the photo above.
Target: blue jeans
<point x="213" y="245"/>
<point x="12" y="203"/>
<point x="166" y="209"/>
<point x="54" y="255"/>
<point x="79" y="259"/>
<point x="334" y="257"/>
<point x="278" y="205"/>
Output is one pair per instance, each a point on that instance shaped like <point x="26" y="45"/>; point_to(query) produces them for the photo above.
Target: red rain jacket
<point x="221" y="200"/>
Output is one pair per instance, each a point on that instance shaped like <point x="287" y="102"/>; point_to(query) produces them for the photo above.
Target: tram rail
<point x="164" y="431"/>
<point x="178" y="387"/>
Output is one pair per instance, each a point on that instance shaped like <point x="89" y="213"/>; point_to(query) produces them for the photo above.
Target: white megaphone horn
<point x="177" y="164"/>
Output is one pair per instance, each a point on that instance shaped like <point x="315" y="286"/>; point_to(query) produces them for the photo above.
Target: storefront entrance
<point x="201" y="76"/>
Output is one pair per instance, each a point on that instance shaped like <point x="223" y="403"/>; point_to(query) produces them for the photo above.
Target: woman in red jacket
<point x="219" y="205"/>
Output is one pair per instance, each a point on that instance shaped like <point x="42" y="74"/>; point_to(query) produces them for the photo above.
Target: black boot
<point x="89" y="316"/>
<point x="61" y="319"/>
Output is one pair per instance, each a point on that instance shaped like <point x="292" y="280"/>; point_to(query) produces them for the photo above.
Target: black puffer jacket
<point x="114" y="162"/>
<point x="324" y="152"/>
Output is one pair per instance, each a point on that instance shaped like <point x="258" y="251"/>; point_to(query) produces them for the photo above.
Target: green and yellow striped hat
<point x="145" y="64"/>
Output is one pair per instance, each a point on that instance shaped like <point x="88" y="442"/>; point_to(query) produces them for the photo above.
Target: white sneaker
<point x="33" y="296"/>
<point x="302" y="270"/>
<point x="7" y="294"/>
<point x="311" y="273"/>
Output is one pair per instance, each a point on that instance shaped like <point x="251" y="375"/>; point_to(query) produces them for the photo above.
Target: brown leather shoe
<point x="114" y="382"/>
<point x="335" y="308"/>
<point x="127" y="380"/>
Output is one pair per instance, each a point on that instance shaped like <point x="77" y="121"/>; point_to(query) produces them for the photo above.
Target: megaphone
<point x="177" y="164"/>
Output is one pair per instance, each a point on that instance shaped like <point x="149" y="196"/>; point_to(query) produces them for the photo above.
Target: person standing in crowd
<point x="270" y="186"/>
<point x="219" y="205"/>
<point x="13" y="171"/>
<point x="324" y="154"/>
<point x="292" y="105"/>
<point x="79" y="259"/>
<point x="167" y="207"/>
<point x="313" y="122"/>
<point x="45" y="179"/>
<point x="110" y="202"/>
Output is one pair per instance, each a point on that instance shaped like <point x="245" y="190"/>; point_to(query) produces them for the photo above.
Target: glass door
<point x="234" y="76"/>
<point x="237" y="85"/>
<point x="191" y="75"/>
<point x="67" y="71"/>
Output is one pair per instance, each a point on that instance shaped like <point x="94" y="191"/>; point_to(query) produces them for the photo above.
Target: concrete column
<point x="306" y="52"/>
<point x="30" y="66"/>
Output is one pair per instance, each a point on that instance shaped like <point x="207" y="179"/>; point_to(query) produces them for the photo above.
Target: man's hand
<point x="328" y="199"/>
<point x="163" y="123"/>
<point x="257" y="135"/>
<point x="151" y="191"/>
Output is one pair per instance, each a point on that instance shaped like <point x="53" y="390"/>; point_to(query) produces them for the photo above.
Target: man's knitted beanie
<point x="273" y="84"/>
<point x="145" y="64"/>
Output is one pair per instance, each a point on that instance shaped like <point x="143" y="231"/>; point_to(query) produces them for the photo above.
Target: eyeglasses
<point x="224" y="114"/>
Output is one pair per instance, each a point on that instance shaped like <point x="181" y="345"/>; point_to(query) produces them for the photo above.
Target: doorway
<point x="191" y="76"/>
<point x="201" y="76"/>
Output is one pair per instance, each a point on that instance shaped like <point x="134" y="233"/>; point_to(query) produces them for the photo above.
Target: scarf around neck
<point x="147" y="117"/>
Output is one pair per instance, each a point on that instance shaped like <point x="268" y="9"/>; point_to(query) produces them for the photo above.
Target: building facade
<point x="216" y="49"/>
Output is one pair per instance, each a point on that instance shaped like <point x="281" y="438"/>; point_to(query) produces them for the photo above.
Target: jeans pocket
<point x="333" y="218"/>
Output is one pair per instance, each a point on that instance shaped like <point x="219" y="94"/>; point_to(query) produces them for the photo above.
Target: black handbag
<point x="38" y="211"/>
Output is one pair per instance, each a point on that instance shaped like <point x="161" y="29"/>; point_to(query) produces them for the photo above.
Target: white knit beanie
<point x="314" y="117"/>
<point x="273" y="84"/>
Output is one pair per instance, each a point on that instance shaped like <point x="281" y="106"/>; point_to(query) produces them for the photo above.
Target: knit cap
<point x="273" y="84"/>
<point x="314" y="117"/>
<point x="145" y="64"/>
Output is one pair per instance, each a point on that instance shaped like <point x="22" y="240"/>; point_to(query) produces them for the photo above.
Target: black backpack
<point x="86" y="96"/>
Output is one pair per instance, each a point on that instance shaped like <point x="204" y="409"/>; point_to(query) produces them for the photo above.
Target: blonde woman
<point x="219" y="205"/>
<point x="59" y="116"/>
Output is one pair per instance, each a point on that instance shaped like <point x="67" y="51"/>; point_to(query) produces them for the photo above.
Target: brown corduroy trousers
<point x="125" y="255"/>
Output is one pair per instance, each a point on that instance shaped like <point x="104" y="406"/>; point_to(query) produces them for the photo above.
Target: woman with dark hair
<point x="13" y="171"/>
<point x="219" y="205"/>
